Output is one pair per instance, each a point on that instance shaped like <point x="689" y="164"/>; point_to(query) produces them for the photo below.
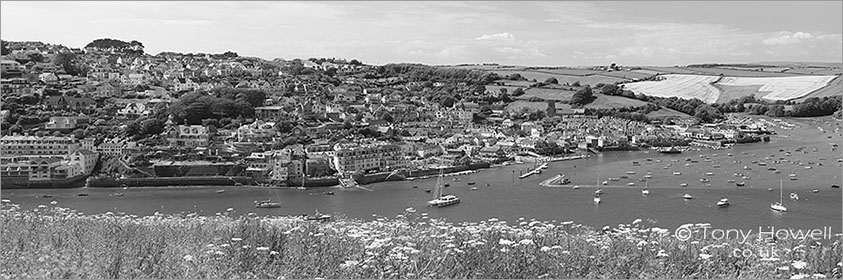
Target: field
<point x="547" y="94"/>
<point x="682" y="86"/>
<point x="509" y="89"/>
<point x="834" y="88"/>
<point x="608" y="101"/>
<point x="781" y="88"/>
<point x="53" y="242"/>
<point x="666" y="112"/>
<point x="734" y="92"/>
<point x="542" y="75"/>
<point x="738" y="73"/>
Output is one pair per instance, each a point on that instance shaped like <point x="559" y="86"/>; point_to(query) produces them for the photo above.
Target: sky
<point x="563" y="33"/>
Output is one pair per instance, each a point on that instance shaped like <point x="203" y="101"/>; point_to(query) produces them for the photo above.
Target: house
<point x="86" y="159"/>
<point x="188" y="136"/>
<point x="133" y="110"/>
<point x="70" y="103"/>
<point x="15" y="86"/>
<point x="271" y="113"/>
<point x="14" y="145"/>
<point x="67" y="123"/>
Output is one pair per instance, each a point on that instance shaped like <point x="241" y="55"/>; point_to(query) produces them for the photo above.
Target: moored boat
<point x="687" y="196"/>
<point x="724" y="202"/>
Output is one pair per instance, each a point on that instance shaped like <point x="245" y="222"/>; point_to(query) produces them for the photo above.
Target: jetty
<point x="555" y="182"/>
<point x="536" y="170"/>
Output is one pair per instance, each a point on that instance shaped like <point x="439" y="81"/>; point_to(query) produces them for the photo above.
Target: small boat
<point x="220" y="191"/>
<point x="631" y="184"/>
<point x="709" y="174"/>
<point x="267" y="204"/>
<point x="456" y="179"/>
<point x="598" y="192"/>
<point x="716" y="166"/>
<point x="301" y="188"/>
<point x="597" y="200"/>
<point x="118" y="194"/>
<point x="439" y="198"/>
<point x="648" y="176"/>
<point x="635" y="163"/>
<point x="318" y="217"/>
<point x="808" y="167"/>
<point x="791" y="175"/>
<point x="614" y="179"/>
<point x="687" y="196"/>
<point x="746" y="168"/>
<point x="769" y="189"/>
<point x="328" y="193"/>
<point x="815" y="191"/>
<point x="630" y="172"/>
<point x="794" y="196"/>
<point x="471" y="183"/>
<point x="427" y="190"/>
<point x="683" y="185"/>
<point x="5" y="201"/>
<point x="473" y="188"/>
<point x="82" y="194"/>
<point x="730" y="181"/>
<point x="779" y="206"/>
<point x="605" y="183"/>
<point x="415" y="187"/>
<point x="624" y="177"/>
<point x="576" y="187"/>
<point x="46" y="196"/>
<point x="645" y="192"/>
<point x="447" y="185"/>
<point x="54" y="202"/>
<point x="835" y="186"/>
<point x="677" y="173"/>
<point x="671" y="150"/>
<point x="793" y="178"/>
<point x="704" y="180"/>
<point x="724" y="202"/>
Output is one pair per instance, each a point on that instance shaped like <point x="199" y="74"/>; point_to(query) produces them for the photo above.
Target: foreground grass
<point x="53" y="242"/>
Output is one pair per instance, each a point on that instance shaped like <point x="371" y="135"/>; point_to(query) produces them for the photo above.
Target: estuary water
<point x="501" y="194"/>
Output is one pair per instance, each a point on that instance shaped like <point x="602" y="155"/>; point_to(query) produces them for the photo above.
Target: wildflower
<point x="799" y="264"/>
<point x="770" y="259"/>
<point x="636" y="221"/>
<point x="818" y="276"/>
<point x="545" y="249"/>
<point x="662" y="254"/>
<point x="237" y="239"/>
<point x="783" y="268"/>
<point x="262" y="248"/>
<point x="229" y="209"/>
<point x="505" y="242"/>
<point x="246" y="246"/>
<point x="225" y="245"/>
<point x="566" y="252"/>
<point x="348" y="264"/>
<point x="526" y="242"/>
<point x="799" y="276"/>
<point x="504" y="250"/>
<point x="188" y="258"/>
<point x="567" y="223"/>
<point x="273" y="253"/>
<point x="704" y="256"/>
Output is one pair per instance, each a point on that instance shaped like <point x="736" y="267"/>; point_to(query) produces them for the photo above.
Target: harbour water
<point x="506" y="197"/>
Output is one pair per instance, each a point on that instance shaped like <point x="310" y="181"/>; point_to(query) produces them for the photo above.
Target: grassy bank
<point x="53" y="242"/>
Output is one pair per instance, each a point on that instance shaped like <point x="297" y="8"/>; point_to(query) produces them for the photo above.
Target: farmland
<point x="735" y="92"/>
<point x="682" y="86"/>
<point x="608" y="102"/>
<point x="781" y="88"/>
<point x="542" y="75"/>
<point x="540" y="106"/>
<point x="548" y="94"/>
<point x="834" y="87"/>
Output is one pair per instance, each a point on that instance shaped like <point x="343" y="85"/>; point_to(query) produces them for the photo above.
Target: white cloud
<point x="786" y="38"/>
<point x="497" y="37"/>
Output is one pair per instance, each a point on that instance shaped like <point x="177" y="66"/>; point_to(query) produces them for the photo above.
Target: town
<point x="110" y="115"/>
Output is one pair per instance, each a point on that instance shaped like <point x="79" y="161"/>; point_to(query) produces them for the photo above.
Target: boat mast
<point x="781" y="192"/>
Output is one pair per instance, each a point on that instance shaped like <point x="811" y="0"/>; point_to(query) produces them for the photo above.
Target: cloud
<point x="786" y="38"/>
<point x="497" y="37"/>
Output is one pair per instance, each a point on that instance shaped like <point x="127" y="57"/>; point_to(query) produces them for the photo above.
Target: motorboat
<point x="683" y="185"/>
<point x="677" y="173"/>
<point x="740" y="184"/>
<point x="794" y="196"/>
<point x="220" y="191"/>
<point x="576" y="187"/>
<point x="473" y="188"/>
<point x="687" y="196"/>
<point x="598" y="192"/>
<point x="724" y="202"/>
<point x="630" y="172"/>
<point x="317" y="217"/>
<point x="82" y="194"/>
<point x="631" y="184"/>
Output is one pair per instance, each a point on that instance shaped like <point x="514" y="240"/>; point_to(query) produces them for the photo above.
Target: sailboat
<point x="646" y="189"/>
<point x="779" y="206"/>
<point x="440" y="199"/>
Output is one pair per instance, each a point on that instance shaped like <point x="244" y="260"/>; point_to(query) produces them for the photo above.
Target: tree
<point x="552" y="80"/>
<point x="518" y="92"/>
<point x="576" y="83"/>
<point x="447" y="101"/>
<point x="67" y="61"/>
<point x="582" y="96"/>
